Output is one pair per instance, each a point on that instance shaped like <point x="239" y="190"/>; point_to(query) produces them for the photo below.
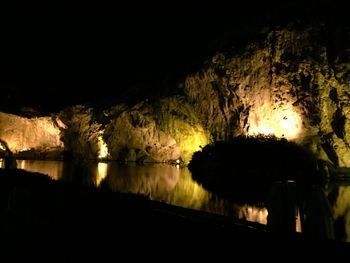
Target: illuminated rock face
<point x="83" y="136"/>
<point x="287" y="85"/>
<point x="290" y="84"/>
<point x="164" y="132"/>
<point x="132" y="135"/>
<point x="35" y="135"/>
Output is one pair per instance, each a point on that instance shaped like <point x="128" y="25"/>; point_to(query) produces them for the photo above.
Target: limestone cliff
<point x="294" y="83"/>
<point x="164" y="131"/>
<point x="81" y="138"/>
<point x="289" y="84"/>
<point x="132" y="135"/>
<point x="38" y="136"/>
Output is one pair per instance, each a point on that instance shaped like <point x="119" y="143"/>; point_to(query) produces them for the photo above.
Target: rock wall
<point x="34" y="135"/>
<point x="167" y="130"/>
<point x="82" y="134"/>
<point x="286" y="85"/>
<point x="293" y="83"/>
<point x="132" y="135"/>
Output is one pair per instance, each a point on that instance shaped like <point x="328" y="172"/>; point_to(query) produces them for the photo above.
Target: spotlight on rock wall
<point x="269" y="120"/>
<point x="103" y="149"/>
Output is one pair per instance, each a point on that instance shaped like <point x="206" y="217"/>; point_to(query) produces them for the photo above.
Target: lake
<point x="174" y="185"/>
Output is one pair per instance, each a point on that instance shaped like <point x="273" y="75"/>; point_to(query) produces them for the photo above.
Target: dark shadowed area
<point x="130" y="66"/>
<point x="105" y="56"/>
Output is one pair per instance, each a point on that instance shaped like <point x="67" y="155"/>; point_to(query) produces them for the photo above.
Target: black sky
<point x="75" y="54"/>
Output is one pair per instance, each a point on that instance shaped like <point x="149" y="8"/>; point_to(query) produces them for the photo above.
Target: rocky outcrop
<point x="132" y="135"/>
<point x="287" y="85"/>
<point x="31" y="137"/>
<point x="294" y="83"/>
<point x="82" y="135"/>
<point x="167" y="130"/>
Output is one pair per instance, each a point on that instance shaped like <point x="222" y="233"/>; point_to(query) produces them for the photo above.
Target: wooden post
<point x="281" y="206"/>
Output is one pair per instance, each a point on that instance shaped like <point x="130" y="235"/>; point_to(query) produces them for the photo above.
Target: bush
<point x="245" y="167"/>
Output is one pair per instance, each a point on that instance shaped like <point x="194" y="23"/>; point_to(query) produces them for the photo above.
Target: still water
<point x="174" y="185"/>
<point x="162" y="182"/>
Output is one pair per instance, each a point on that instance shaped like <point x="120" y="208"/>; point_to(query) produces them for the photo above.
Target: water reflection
<point x="151" y="180"/>
<point x="253" y="214"/>
<point x="171" y="184"/>
<point x="101" y="172"/>
<point x="341" y="210"/>
<point x="52" y="168"/>
<point x="174" y="185"/>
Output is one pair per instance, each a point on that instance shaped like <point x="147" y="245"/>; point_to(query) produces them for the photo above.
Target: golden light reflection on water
<point x="101" y="172"/>
<point x="260" y="214"/>
<point x="298" y="221"/>
<point x="148" y="180"/>
<point x="187" y="193"/>
<point x="54" y="169"/>
<point x="253" y="214"/>
<point x="171" y="184"/>
<point x="341" y="208"/>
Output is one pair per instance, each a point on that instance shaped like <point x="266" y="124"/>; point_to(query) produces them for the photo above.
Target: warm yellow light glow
<point x="24" y="149"/>
<point x="177" y="161"/>
<point x="54" y="169"/>
<point x="268" y="120"/>
<point x="103" y="153"/>
<point x="2" y="147"/>
<point x="259" y="215"/>
<point x="298" y="221"/>
<point x="192" y="140"/>
<point x="341" y="208"/>
<point x="21" y="133"/>
<point x="253" y="214"/>
<point x="185" y="192"/>
<point x="101" y="172"/>
<point x="1" y="163"/>
<point x="60" y="123"/>
<point x="22" y="164"/>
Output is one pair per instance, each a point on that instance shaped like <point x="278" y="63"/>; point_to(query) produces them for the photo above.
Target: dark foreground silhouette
<point x="52" y="221"/>
<point x="244" y="168"/>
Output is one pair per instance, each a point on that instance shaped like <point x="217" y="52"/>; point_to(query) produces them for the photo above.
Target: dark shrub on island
<point x="245" y="167"/>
